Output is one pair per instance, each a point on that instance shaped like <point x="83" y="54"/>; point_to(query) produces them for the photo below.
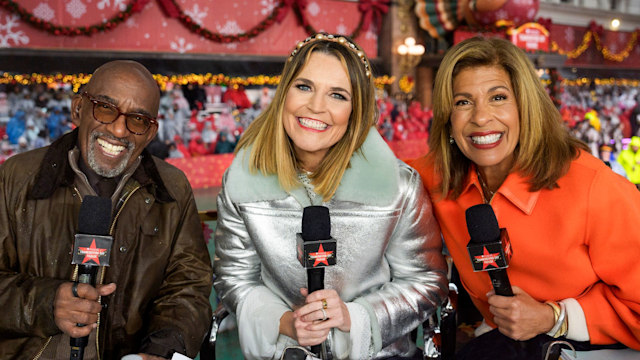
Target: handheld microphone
<point x="316" y="250"/>
<point x="91" y="249"/>
<point x="489" y="247"/>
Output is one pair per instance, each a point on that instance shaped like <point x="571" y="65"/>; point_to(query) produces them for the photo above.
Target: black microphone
<point x="489" y="247"/>
<point x="91" y="249"/>
<point x="316" y="249"/>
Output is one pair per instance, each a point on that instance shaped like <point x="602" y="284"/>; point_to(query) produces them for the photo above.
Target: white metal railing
<point x="622" y="6"/>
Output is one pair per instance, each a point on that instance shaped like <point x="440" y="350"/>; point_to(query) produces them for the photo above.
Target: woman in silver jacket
<point x="316" y="145"/>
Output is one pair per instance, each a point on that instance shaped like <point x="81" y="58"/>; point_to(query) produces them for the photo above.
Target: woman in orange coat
<point x="498" y="139"/>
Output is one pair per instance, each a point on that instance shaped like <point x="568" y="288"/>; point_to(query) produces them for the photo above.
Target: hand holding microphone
<point x="489" y="247"/>
<point x="69" y="310"/>
<point x="76" y="304"/>
<point x="316" y="250"/>
<point x="516" y="313"/>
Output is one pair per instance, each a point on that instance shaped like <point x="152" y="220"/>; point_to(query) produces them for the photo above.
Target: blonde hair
<point x="271" y="149"/>
<point x="545" y="147"/>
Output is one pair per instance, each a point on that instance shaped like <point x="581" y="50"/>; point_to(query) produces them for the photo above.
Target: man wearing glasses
<point x="153" y="298"/>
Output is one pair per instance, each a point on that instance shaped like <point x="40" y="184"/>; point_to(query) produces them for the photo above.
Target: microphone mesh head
<point x="94" y="217"/>
<point x="482" y="224"/>
<point x="315" y="223"/>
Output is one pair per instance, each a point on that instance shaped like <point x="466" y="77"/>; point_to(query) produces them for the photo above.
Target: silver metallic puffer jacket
<point x="389" y="247"/>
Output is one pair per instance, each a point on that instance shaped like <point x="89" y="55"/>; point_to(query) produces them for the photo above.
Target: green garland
<point x="137" y="5"/>
<point x="58" y="30"/>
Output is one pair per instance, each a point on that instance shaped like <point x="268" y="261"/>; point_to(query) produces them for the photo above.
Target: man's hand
<point x="69" y="310"/>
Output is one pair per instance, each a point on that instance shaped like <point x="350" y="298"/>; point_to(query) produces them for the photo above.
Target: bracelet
<point x="564" y="329"/>
<point x="561" y="326"/>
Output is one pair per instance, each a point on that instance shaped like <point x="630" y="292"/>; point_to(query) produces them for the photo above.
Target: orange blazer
<point x="580" y="240"/>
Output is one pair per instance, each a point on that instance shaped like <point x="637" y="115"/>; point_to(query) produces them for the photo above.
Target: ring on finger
<point x="74" y="289"/>
<point x="324" y="315"/>
<point x="324" y="304"/>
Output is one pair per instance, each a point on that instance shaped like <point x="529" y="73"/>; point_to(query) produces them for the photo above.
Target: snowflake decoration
<point x="268" y="6"/>
<point x="569" y="35"/>
<point x="229" y="28"/>
<point x="196" y="14"/>
<point x="371" y="34"/>
<point x="44" y="12"/>
<point x="313" y="9"/>
<point x="502" y="14"/>
<point x="103" y="4"/>
<point x="131" y="23"/>
<point x="341" y="29"/>
<point x="181" y="45"/>
<point x="76" y="8"/>
<point x="121" y="5"/>
<point x="7" y="32"/>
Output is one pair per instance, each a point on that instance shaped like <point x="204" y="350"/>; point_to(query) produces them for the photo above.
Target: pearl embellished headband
<point x="340" y="40"/>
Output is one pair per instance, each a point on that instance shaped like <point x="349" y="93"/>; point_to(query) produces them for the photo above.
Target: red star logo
<point x="91" y="253"/>
<point x="321" y="256"/>
<point x="487" y="258"/>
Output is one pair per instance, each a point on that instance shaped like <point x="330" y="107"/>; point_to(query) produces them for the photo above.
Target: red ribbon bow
<point x="139" y="5"/>
<point x="373" y="9"/>
<point x="301" y="4"/>
<point x="169" y="8"/>
<point x="595" y="28"/>
<point x="546" y="22"/>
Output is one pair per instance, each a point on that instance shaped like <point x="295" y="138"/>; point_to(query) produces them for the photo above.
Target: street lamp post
<point x="410" y="56"/>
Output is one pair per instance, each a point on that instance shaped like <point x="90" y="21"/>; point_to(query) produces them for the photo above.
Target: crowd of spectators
<point x="193" y="120"/>
<point x="202" y="120"/>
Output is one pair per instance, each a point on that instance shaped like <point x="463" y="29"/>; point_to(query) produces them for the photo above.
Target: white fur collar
<point x="371" y="179"/>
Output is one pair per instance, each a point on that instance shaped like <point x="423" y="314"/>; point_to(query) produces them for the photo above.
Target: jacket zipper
<point x="113" y="225"/>
<point x="75" y="271"/>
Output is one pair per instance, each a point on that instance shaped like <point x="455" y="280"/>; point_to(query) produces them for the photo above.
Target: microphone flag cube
<point x="92" y="250"/>
<point x="317" y="253"/>
<point x="491" y="255"/>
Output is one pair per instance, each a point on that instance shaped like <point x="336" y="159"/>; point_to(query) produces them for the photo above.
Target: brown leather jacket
<point x="159" y="258"/>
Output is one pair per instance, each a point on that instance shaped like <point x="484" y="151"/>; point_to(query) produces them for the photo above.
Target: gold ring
<point x="324" y="304"/>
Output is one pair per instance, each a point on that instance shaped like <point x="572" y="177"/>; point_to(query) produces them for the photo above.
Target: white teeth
<point x="312" y="124"/>
<point x="486" y="139"/>
<point x="110" y="148"/>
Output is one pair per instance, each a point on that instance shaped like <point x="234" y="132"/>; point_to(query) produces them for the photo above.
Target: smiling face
<point x="317" y="108"/>
<point x="485" y="122"/>
<point x="109" y="149"/>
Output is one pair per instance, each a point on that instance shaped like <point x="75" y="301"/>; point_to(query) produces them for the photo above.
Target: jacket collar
<point x="55" y="171"/>
<point x="372" y="178"/>
<point x="515" y="189"/>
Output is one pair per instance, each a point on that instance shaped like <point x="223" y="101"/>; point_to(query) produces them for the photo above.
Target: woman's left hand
<point x="337" y="314"/>
<point x="520" y="317"/>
